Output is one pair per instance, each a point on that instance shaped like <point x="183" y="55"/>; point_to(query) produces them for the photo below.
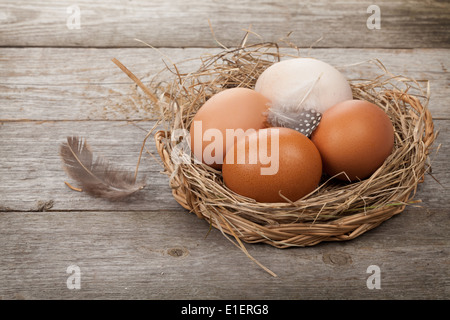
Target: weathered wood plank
<point x="165" y="255"/>
<point x="31" y="174"/>
<point x="82" y="84"/>
<point x="404" y="24"/>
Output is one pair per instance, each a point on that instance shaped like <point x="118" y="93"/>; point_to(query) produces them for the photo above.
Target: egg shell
<point x="234" y="108"/>
<point x="288" y="82"/>
<point x="354" y="137"/>
<point x="298" y="169"/>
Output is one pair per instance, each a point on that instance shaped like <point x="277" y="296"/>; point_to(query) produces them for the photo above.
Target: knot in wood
<point x="177" y="252"/>
<point x="337" y="258"/>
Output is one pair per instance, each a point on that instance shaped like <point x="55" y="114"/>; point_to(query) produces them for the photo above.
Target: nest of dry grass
<point x="335" y="211"/>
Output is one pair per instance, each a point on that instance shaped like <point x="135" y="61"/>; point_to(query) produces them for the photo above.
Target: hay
<point x="335" y="211"/>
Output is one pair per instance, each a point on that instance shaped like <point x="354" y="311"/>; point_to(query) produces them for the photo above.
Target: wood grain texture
<point x="32" y="174"/>
<point x="178" y="23"/>
<point x="83" y="84"/>
<point x="165" y="255"/>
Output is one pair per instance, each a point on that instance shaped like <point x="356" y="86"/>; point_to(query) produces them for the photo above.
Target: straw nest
<point x="335" y="211"/>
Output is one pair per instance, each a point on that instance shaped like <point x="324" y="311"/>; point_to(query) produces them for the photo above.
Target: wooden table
<point x="58" y="80"/>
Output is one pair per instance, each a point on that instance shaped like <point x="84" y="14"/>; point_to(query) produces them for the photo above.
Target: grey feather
<point x="96" y="177"/>
<point x="296" y="109"/>
<point x="304" y="122"/>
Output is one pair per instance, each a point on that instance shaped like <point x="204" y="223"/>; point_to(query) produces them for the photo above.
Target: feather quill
<point x="96" y="177"/>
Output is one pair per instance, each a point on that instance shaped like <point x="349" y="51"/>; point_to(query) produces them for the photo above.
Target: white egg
<point x="301" y="84"/>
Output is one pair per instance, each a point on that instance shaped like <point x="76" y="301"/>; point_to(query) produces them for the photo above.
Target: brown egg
<point x="235" y="109"/>
<point x="273" y="161"/>
<point x="354" y="137"/>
